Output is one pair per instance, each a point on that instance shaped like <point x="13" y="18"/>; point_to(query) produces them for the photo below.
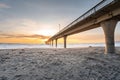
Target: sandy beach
<point x="59" y="64"/>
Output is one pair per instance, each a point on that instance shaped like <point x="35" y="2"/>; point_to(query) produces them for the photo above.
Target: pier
<point x="105" y="14"/>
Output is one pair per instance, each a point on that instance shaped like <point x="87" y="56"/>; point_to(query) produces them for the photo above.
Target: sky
<point x="34" y="21"/>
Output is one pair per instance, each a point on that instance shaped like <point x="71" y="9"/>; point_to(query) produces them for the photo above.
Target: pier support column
<point x="52" y="42"/>
<point x="56" y="43"/>
<point x="48" y="43"/>
<point x="65" y="38"/>
<point x="109" y="28"/>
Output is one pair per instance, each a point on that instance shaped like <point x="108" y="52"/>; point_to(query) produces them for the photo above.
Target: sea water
<point x="80" y="45"/>
<point x="22" y="46"/>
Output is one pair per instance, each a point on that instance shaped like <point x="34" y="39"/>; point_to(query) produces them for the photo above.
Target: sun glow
<point x="46" y="32"/>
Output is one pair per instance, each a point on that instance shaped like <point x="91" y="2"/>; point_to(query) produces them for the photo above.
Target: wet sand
<point x="59" y="64"/>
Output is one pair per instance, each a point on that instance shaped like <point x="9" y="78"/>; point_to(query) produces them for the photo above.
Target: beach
<point x="59" y="64"/>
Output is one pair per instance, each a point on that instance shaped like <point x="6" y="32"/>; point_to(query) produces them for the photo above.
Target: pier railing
<point x="88" y="13"/>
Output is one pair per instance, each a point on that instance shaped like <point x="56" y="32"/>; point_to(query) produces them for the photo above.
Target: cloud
<point x="20" y="26"/>
<point x="3" y="5"/>
<point x="24" y="36"/>
<point x="26" y="26"/>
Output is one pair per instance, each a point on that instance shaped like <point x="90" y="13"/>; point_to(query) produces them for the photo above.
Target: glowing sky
<point x="34" y="21"/>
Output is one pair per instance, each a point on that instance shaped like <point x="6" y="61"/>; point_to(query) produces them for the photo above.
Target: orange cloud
<point x="32" y="39"/>
<point x="23" y="36"/>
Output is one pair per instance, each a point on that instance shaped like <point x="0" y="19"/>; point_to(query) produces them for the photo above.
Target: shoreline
<point x="81" y="45"/>
<point x="59" y="64"/>
<point x="52" y="48"/>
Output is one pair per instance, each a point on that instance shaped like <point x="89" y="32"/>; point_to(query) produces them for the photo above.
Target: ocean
<point x="22" y="46"/>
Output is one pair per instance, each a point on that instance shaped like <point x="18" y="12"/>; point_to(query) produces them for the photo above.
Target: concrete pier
<point x="65" y="38"/>
<point x="52" y="42"/>
<point x="109" y="28"/>
<point x="56" y="42"/>
<point x="105" y="14"/>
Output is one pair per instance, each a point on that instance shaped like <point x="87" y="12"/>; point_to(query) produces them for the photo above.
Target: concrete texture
<point x="65" y="38"/>
<point x="109" y="29"/>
